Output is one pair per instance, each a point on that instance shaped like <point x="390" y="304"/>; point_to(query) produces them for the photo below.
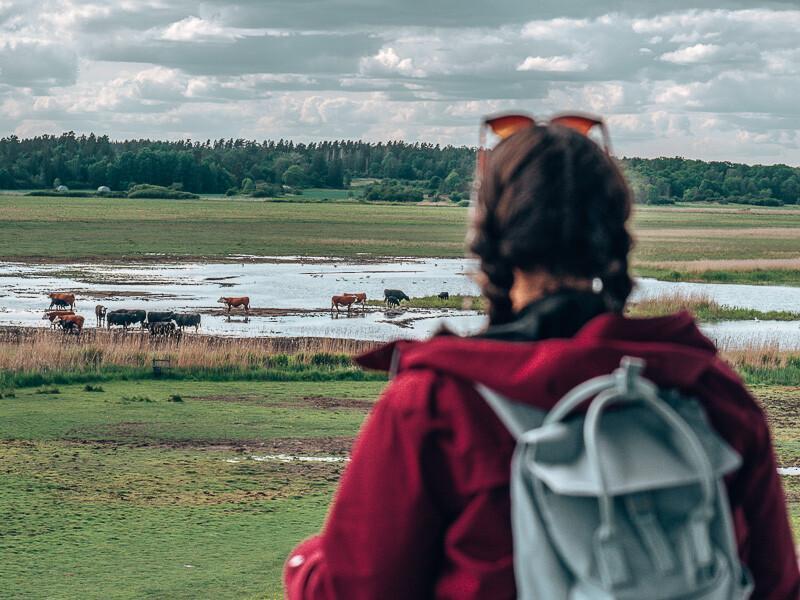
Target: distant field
<point x="671" y="240"/>
<point x="121" y="493"/>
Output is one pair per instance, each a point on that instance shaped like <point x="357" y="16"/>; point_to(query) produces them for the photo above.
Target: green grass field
<point x="108" y="495"/>
<point x="671" y="240"/>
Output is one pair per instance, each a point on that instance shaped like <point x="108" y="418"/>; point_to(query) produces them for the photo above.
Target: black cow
<point x="160" y="317"/>
<point x="124" y="317"/>
<point x="162" y="328"/>
<point x="187" y="320"/>
<point x="444" y="296"/>
<point x="396" y="294"/>
<point x="59" y="303"/>
<point x="392" y="301"/>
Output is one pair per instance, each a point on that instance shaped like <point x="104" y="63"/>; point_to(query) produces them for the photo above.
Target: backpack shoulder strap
<point x="516" y="416"/>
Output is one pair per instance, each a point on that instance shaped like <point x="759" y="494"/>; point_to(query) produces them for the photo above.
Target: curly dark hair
<point x="551" y="199"/>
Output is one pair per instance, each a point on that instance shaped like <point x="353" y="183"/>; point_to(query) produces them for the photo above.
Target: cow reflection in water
<point x="230" y="319"/>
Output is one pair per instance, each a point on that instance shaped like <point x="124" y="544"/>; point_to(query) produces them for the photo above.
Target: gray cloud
<point x="710" y="79"/>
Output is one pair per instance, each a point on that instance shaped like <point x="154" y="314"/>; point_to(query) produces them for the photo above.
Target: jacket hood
<point x="675" y="351"/>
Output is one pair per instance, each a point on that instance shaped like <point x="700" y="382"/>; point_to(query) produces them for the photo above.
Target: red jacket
<point x="423" y="508"/>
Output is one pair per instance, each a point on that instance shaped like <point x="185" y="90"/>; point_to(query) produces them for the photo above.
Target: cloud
<point x="552" y="63"/>
<point x="692" y="54"/>
<point x="194" y="29"/>
<point x="387" y="62"/>
<point x="672" y="78"/>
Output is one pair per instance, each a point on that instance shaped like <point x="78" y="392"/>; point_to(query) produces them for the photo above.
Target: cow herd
<point x="392" y="298"/>
<point x="61" y="313"/>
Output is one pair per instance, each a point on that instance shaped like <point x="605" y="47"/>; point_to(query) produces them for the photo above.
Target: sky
<point x="716" y="80"/>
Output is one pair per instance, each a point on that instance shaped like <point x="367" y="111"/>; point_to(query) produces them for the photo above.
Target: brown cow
<point x="337" y="301"/>
<point x="62" y="299"/>
<point x="361" y="297"/>
<point x="100" y="314"/>
<point x="70" y="323"/>
<point x="236" y="303"/>
<point x="51" y="315"/>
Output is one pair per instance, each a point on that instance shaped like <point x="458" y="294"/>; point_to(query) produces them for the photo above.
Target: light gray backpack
<point x="626" y="503"/>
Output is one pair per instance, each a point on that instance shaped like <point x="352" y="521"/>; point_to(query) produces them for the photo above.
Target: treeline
<point x="401" y="171"/>
<point x="219" y="166"/>
<point x="669" y="180"/>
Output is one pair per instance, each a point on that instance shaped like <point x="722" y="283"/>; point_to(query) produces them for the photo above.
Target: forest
<point x="395" y="171"/>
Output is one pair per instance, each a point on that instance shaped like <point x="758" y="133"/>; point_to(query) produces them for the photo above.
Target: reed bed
<point x="33" y="357"/>
<point x="704" y="308"/>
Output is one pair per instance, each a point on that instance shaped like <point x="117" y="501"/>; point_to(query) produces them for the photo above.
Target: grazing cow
<point x="236" y="303"/>
<point x="166" y="328"/>
<point x="160" y="317"/>
<point x="337" y="301"/>
<point x="444" y="296"/>
<point x="52" y="315"/>
<point x="187" y="320"/>
<point x="361" y="298"/>
<point x="125" y="318"/>
<point x="70" y="323"/>
<point x="59" y="304"/>
<point x="392" y="301"/>
<point x="100" y="314"/>
<point x="62" y="299"/>
<point x="398" y="295"/>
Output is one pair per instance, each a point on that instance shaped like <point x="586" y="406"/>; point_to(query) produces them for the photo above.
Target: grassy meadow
<point x="124" y="492"/>
<point x="150" y="489"/>
<point x="702" y="243"/>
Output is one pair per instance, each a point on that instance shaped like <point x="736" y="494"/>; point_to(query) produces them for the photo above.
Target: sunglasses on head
<point x="506" y="125"/>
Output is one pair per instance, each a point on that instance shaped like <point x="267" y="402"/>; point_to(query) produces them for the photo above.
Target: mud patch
<point x="328" y="403"/>
<point x="311" y="446"/>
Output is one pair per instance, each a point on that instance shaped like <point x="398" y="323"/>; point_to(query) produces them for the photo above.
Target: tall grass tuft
<point x="704" y="308"/>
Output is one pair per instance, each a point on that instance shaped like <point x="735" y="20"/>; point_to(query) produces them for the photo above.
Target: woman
<point x="423" y="508"/>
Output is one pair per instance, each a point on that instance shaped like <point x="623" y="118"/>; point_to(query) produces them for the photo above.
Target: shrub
<point x="175" y="398"/>
<point x="93" y="388"/>
<point x="145" y="190"/>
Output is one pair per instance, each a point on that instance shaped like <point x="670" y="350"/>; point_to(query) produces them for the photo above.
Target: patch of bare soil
<point x="328" y="403"/>
<point x="294" y="446"/>
<point x="782" y="406"/>
<point x="313" y="402"/>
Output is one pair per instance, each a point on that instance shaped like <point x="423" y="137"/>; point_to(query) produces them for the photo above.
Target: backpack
<point x="620" y="504"/>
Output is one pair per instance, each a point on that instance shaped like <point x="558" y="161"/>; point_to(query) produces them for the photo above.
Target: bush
<point x="267" y="190"/>
<point x="393" y="191"/>
<point x="175" y="398"/>
<point x="93" y="388"/>
<point x="145" y="190"/>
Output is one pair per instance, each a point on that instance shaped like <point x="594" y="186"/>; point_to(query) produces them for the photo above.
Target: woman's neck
<point x="530" y="286"/>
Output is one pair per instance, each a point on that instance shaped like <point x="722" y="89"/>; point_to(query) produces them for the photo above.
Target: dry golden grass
<point x="686" y="233"/>
<point x="671" y="302"/>
<point x="34" y="350"/>
<point x="731" y="264"/>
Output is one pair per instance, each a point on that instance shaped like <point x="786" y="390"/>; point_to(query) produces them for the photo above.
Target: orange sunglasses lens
<point x="579" y="123"/>
<point x="507" y="125"/>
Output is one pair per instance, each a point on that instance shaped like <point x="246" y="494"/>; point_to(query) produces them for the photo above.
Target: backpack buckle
<point x="610" y="557"/>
